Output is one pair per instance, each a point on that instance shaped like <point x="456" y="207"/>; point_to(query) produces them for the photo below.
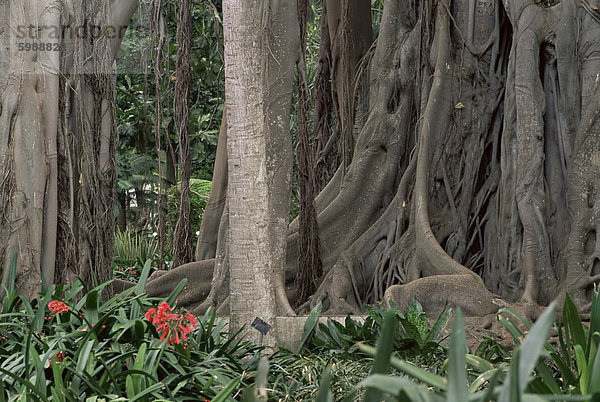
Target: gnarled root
<point x="336" y="292"/>
<point x="434" y="292"/>
<point x="198" y="274"/>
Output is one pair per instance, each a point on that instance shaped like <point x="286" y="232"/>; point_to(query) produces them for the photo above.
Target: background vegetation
<point x="90" y="349"/>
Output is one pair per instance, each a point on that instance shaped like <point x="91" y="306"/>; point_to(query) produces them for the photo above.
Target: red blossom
<point x="171" y="326"/>
<point x="149" y="314"/>
<point x="58" y="307"/>
<point x="59" y="356"/>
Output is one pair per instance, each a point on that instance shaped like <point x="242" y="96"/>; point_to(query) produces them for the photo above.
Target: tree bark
<point x="261" y="42"/>
<point x="182" y="241"/>
<point x="57" y="141"/>
<point x="475" y="165"/>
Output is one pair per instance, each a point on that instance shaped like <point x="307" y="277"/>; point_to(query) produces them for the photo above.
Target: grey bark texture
<point x="57" y="141"/>
<point x="261" y="44"/>
<point x="474" y="164"/>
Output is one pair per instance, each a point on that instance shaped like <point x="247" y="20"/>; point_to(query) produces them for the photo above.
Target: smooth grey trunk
<point x="261" y="45"/>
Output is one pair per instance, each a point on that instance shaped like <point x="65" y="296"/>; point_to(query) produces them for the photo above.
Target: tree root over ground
<point x="454" y="196"/>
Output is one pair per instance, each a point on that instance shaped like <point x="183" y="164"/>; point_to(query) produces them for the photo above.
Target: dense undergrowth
<point x="71" y="345"/>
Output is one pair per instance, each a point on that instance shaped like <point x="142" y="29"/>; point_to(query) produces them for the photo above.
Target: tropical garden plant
<point x="70" y="344"/>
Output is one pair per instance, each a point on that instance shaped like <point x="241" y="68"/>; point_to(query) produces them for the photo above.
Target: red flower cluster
<point x="58" y="307"/>
<point x="171" y="326"/>
<point x="60" y="356"/>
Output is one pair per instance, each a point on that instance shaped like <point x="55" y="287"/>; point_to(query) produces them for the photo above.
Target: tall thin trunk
<point x="310" y="267"/>
<point x="182" y="241"/>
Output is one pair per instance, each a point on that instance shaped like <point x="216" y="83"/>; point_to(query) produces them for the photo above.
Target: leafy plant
<point x="59" y="347"/>
<point x="132" y="251"/>
<point x="515" y="379"/>
<point x="416" y="340"/>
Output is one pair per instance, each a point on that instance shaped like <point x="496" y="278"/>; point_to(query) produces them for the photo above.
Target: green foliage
<point x="536" y="371"/>
<point x="199" y="192"/>
<point x="132" y="251"/>
<point x="416" y="340"/>
<point x="136" y="156"/>
<point x="333" y="347"/>
<point x="106" y="349"/>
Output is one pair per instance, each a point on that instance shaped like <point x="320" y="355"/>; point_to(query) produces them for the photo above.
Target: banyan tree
<point x="463" y="164"/>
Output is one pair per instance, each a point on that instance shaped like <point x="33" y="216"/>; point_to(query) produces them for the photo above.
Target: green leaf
<point x="385" y="347"/>
<point x="226" y="392"/>
<point x="582" y="368"/>
<point x="393" y="385"/>
<point x="92" y="302"/>
<point x="38" y="320"/>
<point x="410" y="369"/>
<point x="594" y="315"/>
<point x="147" y="391"/>
<point x="547" y="378"/>
<point x="141" y="286"/>
<point x="594" y="379"/>
<point x="83" y="356"/>
<point x="573" y="323"/>
<point x="478" y="363"/>
<point x="457" y="374"/>
<point x="525" y="358"/>
<point x="491" y="377"/>
<point x="324" y="392"/>
<point x="515" y="379"/>
<point x="26" y="383"/>
<point x="309" y="325"/>
<point x="130" y="386"/>
<point x="176" y="292"/>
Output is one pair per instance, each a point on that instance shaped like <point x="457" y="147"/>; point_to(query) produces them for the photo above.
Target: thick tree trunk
<point x="57" y="140"/>
<point x="476" y="163"/>
<point x="261" y="44"/>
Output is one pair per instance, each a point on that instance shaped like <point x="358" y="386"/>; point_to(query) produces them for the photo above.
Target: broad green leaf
<point x="324" y="392"/>
<point x="385" y="347"/>
<point x="309" y="325"/>
<point x="92" y="301"/>
<point x="147" y="391"/>
<point x="456" y="371"/>
<point x="225" y="393"/>
<point x="83" y="357"/>
<point x="410" y="369"/>
<point x="38" y="319"/>
<point x="176" y="292"/>
<point x="572" y="321"/>
<point x="478" y="363"/>
<point x="525" y="358"/>
<point x="392" y="385"/>
<point x="547" y="378"/>
<point x="486" y="377"/>
<point x="582" y="368"/>
<point x="594" y="379"/>
<point x="141" y="286"/>
<point x="594" y="314"/>
<point x="564" y="369"/>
